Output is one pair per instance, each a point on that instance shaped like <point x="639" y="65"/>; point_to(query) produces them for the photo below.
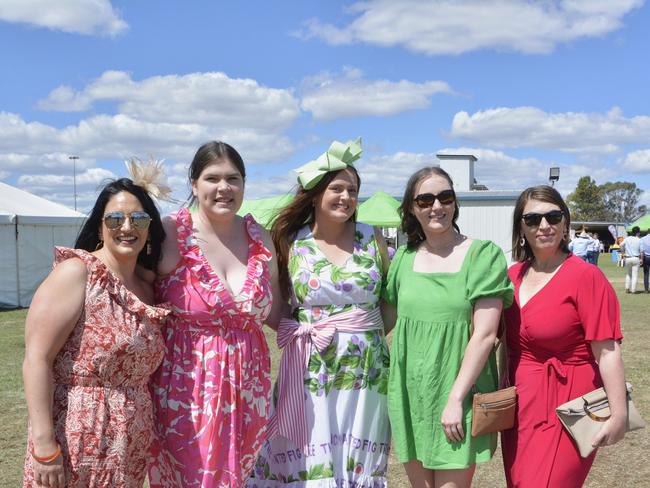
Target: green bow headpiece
<point x="339" y="156"/>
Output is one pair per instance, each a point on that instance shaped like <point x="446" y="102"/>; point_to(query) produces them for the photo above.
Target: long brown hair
<point x="541" y="193"/>
<point x="410" y="225"/>
<point x="292" y="218"/>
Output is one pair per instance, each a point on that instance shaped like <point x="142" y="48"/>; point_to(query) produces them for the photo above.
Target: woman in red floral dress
<point x="91" y="344"/>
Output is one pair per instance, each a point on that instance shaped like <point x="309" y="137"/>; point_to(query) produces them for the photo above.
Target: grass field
<point x="621" y="466"/>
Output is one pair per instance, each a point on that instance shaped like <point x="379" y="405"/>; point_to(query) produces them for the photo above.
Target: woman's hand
<point x="49" y="474"/>
<point x="452" y="420"/>
<point x="612" y="431"/>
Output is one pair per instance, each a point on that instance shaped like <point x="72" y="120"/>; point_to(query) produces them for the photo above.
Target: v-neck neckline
<point x="546" y="285"/>
<point x="355" y="246"/>
<point x="224" y="288"/>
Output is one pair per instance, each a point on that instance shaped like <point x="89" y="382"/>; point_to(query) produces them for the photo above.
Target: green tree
<point x="621" y="200"/>
<point x="586" y="202"/>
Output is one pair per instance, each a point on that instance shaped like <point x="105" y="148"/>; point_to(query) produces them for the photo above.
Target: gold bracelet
<point x="47" y="459"/>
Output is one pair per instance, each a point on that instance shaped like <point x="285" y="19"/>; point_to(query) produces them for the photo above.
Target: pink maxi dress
<point x="212" y="391"/>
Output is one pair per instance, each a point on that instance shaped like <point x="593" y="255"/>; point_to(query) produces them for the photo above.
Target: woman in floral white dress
<point x="330" y="426"/>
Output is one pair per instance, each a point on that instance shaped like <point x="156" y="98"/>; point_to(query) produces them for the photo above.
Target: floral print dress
<point x="345" y="385"/>
<point x="212" y="391"/>
<point x="102" y="411"/>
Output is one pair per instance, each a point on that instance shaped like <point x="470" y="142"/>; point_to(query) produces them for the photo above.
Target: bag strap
<point x="500" y="344"/>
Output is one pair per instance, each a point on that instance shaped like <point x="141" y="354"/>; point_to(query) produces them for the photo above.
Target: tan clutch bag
<point x="493" y="412"/>
<point x="583" y="416"/>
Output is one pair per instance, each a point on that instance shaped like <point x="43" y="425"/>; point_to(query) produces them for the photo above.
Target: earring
<point x="148" y="248"/>
<point x="522" y="241"/>
<point x="99" y="245"/>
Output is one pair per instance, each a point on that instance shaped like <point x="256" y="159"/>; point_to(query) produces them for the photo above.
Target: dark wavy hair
<point x="292" y="218"/>
<point x="208" y="153"/>
<point x="88" y="237"/>
<point x="410" y="225"/>
<point x="542" y="193"/>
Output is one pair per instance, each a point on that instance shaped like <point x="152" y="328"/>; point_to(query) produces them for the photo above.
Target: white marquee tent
<point x="30" y="227"/>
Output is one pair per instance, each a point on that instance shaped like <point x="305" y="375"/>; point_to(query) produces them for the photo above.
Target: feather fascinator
<point x="150" y="176"/>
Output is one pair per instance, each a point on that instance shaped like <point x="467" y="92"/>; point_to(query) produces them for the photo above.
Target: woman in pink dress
<point x="212" y="390"/>
<point x="91" y="343"/>
<point x="563" y="333"/>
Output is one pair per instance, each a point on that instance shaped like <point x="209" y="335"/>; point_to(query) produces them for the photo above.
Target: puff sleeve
<point x="597" y="306"/>
<point x="487" y="276"/>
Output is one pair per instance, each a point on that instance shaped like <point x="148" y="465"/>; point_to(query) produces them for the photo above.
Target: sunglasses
<point x="534" y="219"/>
<point x="115" y="220"/>
<point x="426" y="200"/>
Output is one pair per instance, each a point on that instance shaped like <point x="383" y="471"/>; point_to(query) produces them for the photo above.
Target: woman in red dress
<point x="563" y="333"/>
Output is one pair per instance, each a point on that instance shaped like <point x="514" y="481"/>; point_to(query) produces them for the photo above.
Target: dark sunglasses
<point x="115" y="220"/>
<point x="534" y="219"/>
<point x="425" y="200"/>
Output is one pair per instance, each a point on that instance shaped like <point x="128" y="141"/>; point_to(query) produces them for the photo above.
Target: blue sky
<point x="523" y="85"/>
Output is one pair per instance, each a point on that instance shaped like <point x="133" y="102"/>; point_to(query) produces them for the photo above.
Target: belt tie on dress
<point x="289" y="419"/>
<point x="552" y="365"/>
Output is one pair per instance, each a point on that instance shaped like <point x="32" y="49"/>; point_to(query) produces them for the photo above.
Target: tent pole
<point x="17" y="263"/>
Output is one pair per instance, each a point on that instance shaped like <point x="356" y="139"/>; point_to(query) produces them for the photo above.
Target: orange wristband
<point x="48" y="459"/>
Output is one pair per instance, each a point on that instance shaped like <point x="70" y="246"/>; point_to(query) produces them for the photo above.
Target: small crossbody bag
<point x="495" y="411"/>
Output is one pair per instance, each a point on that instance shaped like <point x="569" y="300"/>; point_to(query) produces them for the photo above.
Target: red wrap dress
<point x="551" y="363"/>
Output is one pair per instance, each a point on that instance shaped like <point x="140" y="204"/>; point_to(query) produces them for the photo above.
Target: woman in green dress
<point x="440" y="286"/>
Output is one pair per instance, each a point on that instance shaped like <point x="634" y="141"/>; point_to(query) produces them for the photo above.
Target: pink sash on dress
<point x="289" y="419"/>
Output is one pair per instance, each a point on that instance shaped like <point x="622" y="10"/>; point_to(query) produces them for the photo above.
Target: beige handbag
<point x="583" y="416"/>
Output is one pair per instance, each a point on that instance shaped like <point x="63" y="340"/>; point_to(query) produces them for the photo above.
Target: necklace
<point x="458" y="239"/>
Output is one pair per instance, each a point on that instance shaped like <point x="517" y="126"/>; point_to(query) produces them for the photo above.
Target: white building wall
<point x="488" y="219"/>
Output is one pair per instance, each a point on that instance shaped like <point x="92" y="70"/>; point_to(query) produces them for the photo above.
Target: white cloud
<point x="568" y="131"/>
<point x="390" y="172"/>
<point x="456" y="26"/>
<point x="500" y="171"/>
<point x="88" y="17"/>
<point x="88" y="179"/>
<point x="637" y="161"/>
<point x="329" y="97"/>
<point x="250" y="117"/>
<point x="211" y="99"/>
<point x="495" y="169"/>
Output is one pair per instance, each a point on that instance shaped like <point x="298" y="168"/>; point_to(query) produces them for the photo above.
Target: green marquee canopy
<point x="642" y="223"/>
<point x="265" y="210"/>
<point x="380" y="210"/>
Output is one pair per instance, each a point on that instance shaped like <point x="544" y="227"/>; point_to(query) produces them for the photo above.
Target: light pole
<point x="553" y="175"/>
<point x="74" y="178"/>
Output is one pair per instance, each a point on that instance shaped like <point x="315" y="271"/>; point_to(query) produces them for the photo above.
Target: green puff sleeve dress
<point x="429" y="341"/>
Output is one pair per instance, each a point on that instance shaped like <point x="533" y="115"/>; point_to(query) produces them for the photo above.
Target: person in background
<point x="593" y="250"/>
<point x="92" y="339"/>
<point x="330" y="423"/>
<point x="563" y="339"/>
<point x="645" y="259"/>
<point x="448" y="290"/>
<point x="631" y="249"/>
<point x="219" y="275"/>
<point x="580" y="244"/>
